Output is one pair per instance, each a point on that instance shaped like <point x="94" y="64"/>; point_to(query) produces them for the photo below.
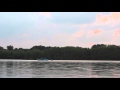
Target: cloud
<point x="12" y="23"/>
<point x="94" y="32"/>
<point x="105" y="21"/>
<point x="116" y="34"/>
<point x="46" y="14"/>
<point x="101" y="19"/>
<point x="113" y="18"/>
<point x="72" y="17"/>
<point x="68" y="29"/>
<point x="90" y="44"/>
<point x="78" y="34"/>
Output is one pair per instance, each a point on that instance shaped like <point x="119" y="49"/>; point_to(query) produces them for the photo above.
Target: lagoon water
<point x="59" y="69"/>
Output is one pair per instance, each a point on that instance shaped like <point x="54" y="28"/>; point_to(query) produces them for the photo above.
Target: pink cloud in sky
<point x="63" y="39"/>
<point x="78" y="34"/>
<point x="75" y="39"/>
<point x="89" y="30"/>
<point x="101" y="19"/>
<point x="116" y="34"/>
<point x="109" y="20"/>
<point x="68" y="40"/>
<point x="46" y="14"/>
<point x="113" y="18"/>
<point x="94" y="32"/>
<point x="90" y="44"/>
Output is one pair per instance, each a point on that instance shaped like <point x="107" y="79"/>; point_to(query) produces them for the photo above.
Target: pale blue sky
<point x="26" y="29"/>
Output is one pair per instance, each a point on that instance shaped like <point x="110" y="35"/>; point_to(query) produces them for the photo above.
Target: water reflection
<point x="15" y="69"/>
<point x="106" y="70"/>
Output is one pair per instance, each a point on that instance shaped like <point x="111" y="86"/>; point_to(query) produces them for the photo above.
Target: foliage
<point x="10" y="47"/>
<point x="96" y="52"/>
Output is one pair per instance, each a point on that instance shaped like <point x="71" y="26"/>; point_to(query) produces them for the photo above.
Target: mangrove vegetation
<point x="96" y="52"/>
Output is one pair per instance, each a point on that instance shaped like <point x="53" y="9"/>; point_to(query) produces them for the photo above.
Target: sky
<point x="83" y="29"/>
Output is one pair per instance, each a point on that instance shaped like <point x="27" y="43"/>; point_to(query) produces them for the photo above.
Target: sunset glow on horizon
<point x="83" y="29"/>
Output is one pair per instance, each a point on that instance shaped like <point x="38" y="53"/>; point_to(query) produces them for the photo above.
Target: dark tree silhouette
<point x="1" y="48"/>
<point x="10" y="47"/>
<point x="96" y="52"/>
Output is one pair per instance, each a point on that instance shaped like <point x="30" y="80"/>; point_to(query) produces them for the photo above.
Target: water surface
<point x="59" y="69"/>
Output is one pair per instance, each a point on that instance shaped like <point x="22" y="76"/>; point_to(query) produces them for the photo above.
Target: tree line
<point x="96" y="52"/>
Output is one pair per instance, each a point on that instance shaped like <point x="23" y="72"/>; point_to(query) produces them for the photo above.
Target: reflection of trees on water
<point x="105" y="69"/>
<point x="23" y="69"/>
<point x="2" y="69"/>
<point x="84" y="70"/>
<point x="9" y="69"/>
<point x="40" y="69"/>
<point x="6" y="69"/>
<point x="59" y="69"/>
<point x="44" y="69"/>
<point x="63" y="69"/>
<point x="15" y="69"/>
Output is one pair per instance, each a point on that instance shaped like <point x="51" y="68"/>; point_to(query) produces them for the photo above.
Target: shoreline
<point x="60" y="60"/>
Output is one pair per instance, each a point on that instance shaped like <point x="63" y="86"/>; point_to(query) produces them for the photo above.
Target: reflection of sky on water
<point x="15" y="69"/>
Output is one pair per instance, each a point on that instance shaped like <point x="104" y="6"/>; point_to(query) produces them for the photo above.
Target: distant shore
<point x="96" y="52"/>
